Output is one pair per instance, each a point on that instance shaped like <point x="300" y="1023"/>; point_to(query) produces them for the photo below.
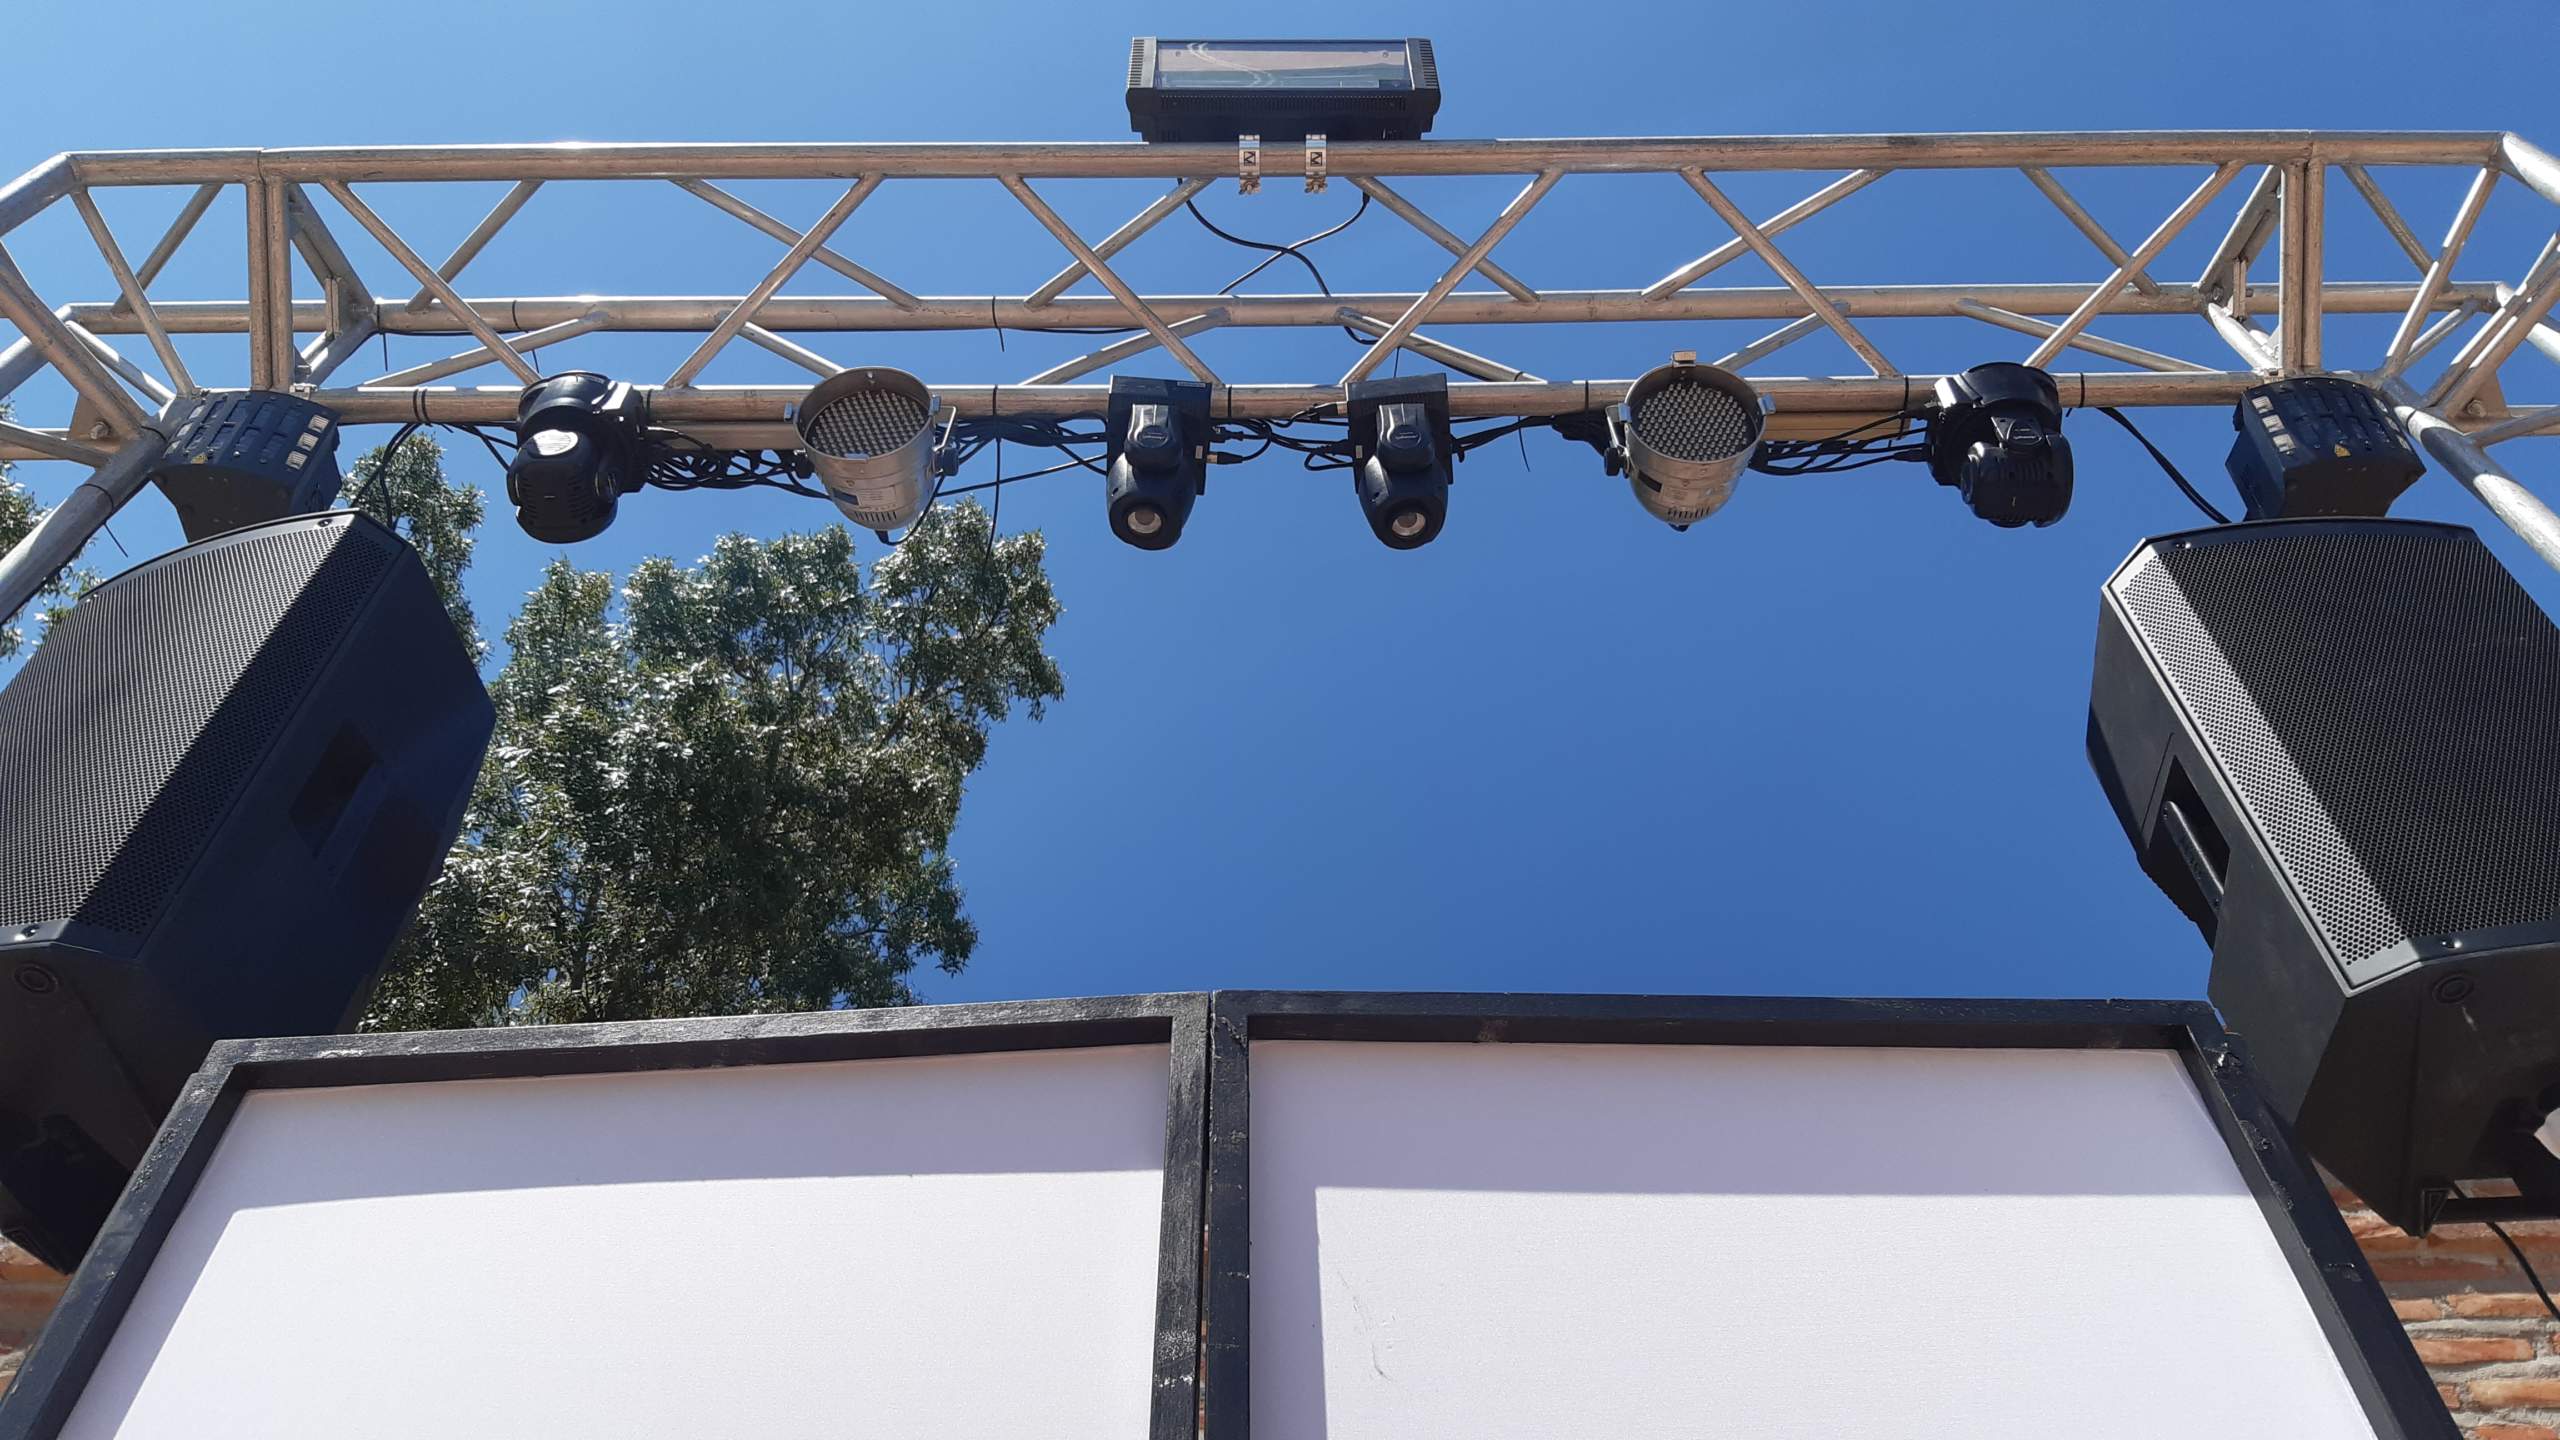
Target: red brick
<point x="2451" y="1269"/>
<point x="2493" y="1307"/>
<point x="2494" y="1394"/>
<point x="2471" y="1349"/>
<point x="2515" y="1432"/>
<point x="2451" y="1400"/>
<point x="2411" y="1311"/>
<point x="2365" y="1225"/>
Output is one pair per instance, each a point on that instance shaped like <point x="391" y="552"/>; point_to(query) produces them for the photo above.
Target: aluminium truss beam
<point x="2272" y="323"/>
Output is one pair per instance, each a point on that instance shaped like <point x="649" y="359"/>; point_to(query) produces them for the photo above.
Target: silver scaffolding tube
<point x="2283" y="214"/>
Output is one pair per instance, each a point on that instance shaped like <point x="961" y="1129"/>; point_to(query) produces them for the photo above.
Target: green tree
<point x="18" y="515"/>
<point x="405" y="489"/>
<point x="731" y="786"/>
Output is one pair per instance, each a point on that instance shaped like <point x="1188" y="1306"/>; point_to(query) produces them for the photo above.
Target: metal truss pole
<point x="2271" y="322"/>
<point x="58" y="539"/>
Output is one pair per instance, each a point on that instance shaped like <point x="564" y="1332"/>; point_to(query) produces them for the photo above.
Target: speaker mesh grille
<point x="226" y="640"/>
<point x="2386" y="701"/>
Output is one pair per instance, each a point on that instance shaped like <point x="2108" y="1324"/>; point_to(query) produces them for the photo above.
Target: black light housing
<point x="2318" y="445"/>
<point x="1997" y="438"/>
<point x="1157" y="432"/>
<point x="579" y="452"/>
<point x="243" y="457"/>
<point x="1400" y="457"/>
<point x="1215" y="91"/>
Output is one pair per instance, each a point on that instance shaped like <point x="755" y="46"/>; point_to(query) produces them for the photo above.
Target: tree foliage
<point x="404" y="487"/>
<point x="19" y="515"/>
<point x="728" y="787"/>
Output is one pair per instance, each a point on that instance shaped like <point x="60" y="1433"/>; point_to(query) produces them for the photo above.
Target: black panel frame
<point x="2398" y="1395"/>
<point x="59" y="1367"/>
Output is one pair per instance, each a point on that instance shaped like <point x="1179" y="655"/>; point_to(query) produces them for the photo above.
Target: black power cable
<point x="2201" y="503"/>
<point x="1294" y="250"/>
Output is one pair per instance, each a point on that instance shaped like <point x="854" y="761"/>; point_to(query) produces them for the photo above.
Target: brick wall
<point x="2494" y="1349"/>
<point x="27" y="1293"/>
<point x="2471" y="1313"/>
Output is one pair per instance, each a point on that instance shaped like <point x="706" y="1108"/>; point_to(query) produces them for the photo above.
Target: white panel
<point x="956" y="1246"/>
<point x="1477" y="1242"/>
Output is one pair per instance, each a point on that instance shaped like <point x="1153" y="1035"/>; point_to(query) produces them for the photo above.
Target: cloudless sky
<point x="1828" y="742"/>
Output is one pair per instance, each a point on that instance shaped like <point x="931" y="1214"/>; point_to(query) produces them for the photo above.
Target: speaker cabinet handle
<point x="2182" y="834"/>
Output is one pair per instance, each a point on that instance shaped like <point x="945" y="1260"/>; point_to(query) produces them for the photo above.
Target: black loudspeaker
<point x="228" y="776"/>
<point x="2336" y="745"/>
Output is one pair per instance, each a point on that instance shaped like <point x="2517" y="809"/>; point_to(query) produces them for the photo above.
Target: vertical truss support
<point x="2300" y="202"/>
<point x="271" y="351"/>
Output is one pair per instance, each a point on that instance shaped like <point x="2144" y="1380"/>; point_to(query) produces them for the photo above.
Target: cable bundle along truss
<point x="311" y="335"/>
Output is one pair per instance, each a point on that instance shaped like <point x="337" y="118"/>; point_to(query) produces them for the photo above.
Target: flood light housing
<point x="242" y="457"/>
<point x="1219" y="90"/>
<point x="1684" y="436"/>
<point x="871" y="436"/>
<point x="2318" y="445"/>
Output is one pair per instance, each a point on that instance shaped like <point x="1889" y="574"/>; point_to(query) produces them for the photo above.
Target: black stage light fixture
<point x="1996" y="436"/>
<point x="243" y="457"/>
<point x="2318" y="445"/>
<point x="579" y="452"/>
<point x="1400" y="457"/>
<point x="2335" y="744"/>
<point x="1684" y="436"/>
<point x="1218" y="91"/>
<point x="1158" y="434"/>
<point x="871" y="435"/>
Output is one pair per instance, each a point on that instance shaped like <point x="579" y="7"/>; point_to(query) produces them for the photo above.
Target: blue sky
<point x="1827" y="742"/>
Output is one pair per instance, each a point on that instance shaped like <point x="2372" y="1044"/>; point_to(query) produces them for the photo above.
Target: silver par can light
<point x="1685" y="434"/>
<point x="873" y="437"/>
